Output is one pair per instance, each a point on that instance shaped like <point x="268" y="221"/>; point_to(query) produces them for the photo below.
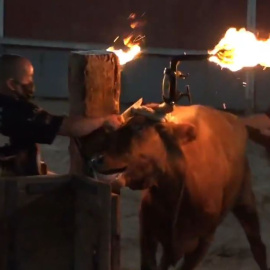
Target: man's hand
<point x="265" y="132"/>
<point x="113" y="121"/>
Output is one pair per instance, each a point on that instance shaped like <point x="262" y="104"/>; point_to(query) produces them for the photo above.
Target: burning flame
<point x="131" y="42"/>
<point x="239" y="49"/>
<point x="126" y="56"/>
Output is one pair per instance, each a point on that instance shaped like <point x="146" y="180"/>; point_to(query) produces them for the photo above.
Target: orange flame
<point x="240" y="49"/>
<point x="126" y="56"/>
<point x="132" y="43"/>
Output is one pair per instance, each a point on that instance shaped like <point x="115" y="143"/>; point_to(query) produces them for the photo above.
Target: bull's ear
<point x="172" y="133"/>
<point x="185" y="132"/>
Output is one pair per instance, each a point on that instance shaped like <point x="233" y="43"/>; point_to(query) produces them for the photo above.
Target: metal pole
<point x="1" y="23"/>
<point x="1" y="18"/>
<point x="250" y="75"/>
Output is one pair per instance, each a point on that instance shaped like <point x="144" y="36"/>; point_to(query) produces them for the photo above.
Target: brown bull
<point x="194" y="171"/>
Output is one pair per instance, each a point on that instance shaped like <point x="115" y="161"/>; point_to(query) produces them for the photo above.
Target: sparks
<point x="131" y="42"/>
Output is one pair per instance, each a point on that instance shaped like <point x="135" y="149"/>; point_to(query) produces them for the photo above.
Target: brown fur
<point x="204" y="152"/>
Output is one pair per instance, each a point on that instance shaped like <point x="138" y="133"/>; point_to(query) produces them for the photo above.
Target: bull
<point x="193" y="170"/>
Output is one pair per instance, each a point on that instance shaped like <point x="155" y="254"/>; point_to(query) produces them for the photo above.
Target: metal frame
<point x="1" y="18"/>
<point x="1" y="22"/>
<point x="86" y="46"/>
<point x="250" y="75"/>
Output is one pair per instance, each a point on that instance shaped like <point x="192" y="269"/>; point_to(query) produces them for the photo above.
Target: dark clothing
<point x="26" y="125"/>
<point x="24" y="122"/>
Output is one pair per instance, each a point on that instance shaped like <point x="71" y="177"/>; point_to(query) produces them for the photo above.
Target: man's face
<point x="23" y="83"/>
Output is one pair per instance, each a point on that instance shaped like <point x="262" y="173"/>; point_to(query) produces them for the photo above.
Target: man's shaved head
<point x="10" y="65"/>
<point x="16" y="74"/>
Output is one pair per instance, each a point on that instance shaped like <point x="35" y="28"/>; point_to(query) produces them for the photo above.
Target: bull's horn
<point x="163" y="108"/>
<point x="154" y="111"/>
<point x="149" y="113"/>
<point x="128" y="112"/>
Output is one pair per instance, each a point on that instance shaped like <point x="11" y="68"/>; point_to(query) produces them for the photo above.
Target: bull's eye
<point x="137" y="128"/>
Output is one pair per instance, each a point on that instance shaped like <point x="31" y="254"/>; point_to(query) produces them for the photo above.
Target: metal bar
<point x="251" y="15"/>
<point x="250" y="74"/>
<point x="2" y="18"/>
<point x="88" y="46"/>
<point x="1" y="23"/>
<point x="179" y="57"/>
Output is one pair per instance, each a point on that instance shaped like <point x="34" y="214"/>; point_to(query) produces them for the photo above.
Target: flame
<point x="240" y="49"/>
<point x="126" y="56"/>
<point x="131" y="42"/>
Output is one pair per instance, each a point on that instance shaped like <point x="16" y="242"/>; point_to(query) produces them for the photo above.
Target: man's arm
<point x="29" y="123"/>
<point x="78" y="126"/>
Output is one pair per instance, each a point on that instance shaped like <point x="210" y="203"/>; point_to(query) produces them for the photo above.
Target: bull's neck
<point x="170" y="188"/>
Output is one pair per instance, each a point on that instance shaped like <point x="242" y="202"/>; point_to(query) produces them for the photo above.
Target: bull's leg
<point x="148" y="242"/>
<point x="193" y="259"/>
<point x="248" y="218"/>
<point x="246" y="213"/>
<point x="164" y="262"/>
<point x="148" y="252"/>
<point x="167" y="257"/>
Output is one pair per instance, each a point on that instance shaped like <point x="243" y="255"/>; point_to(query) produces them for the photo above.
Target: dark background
<point x="180" y="24"/>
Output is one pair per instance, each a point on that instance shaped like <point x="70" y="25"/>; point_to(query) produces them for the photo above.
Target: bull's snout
<point x="97" y="161"/>
<point x="101" y="165"/>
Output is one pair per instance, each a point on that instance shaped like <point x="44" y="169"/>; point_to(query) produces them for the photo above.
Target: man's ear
<point x="184" y="132"/>
<point x="11" y="84"/>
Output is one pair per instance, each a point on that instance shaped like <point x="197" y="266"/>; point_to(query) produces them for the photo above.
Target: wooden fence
<point x="65" y="222"/>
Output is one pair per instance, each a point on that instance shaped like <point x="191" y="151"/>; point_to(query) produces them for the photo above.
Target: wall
<point x="181" y="24"/>
<point x="174" y="24"/>
<point x="142" y="78"/>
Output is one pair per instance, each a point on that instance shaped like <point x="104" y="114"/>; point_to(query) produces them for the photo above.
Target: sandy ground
<point x="230" y="249"/>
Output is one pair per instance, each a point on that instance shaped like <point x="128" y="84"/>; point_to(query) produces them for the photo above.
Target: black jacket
<point x="26" y="125"/>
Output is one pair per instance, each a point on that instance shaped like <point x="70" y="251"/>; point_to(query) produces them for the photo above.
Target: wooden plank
<point x="86" y="231"/>
<point x="3" y="228"/>
<point x="11" y="202"/>
<point x="116" y="244"/>
<point x="92" y="226"/>
<point x="45" y="233"/>
<point x="36" y="232"/>
<point x="104" y="244"/>
<point x="42" y="234"/>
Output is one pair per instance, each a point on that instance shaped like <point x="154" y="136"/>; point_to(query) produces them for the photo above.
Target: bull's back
<point x="216" y="160"/>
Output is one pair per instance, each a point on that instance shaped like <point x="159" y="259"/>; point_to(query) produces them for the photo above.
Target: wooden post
<point x="94" y="91"/>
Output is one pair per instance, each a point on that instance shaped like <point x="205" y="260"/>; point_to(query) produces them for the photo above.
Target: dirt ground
<point x="230" y="249"/>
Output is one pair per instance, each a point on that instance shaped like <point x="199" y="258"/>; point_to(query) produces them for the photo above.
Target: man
<point x="26" y="124"/>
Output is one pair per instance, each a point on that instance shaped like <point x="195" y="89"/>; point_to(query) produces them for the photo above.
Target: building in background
<point x="46" y="31"/>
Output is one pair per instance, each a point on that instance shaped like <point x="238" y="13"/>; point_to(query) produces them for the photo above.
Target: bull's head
<point x="144" y="151"/>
